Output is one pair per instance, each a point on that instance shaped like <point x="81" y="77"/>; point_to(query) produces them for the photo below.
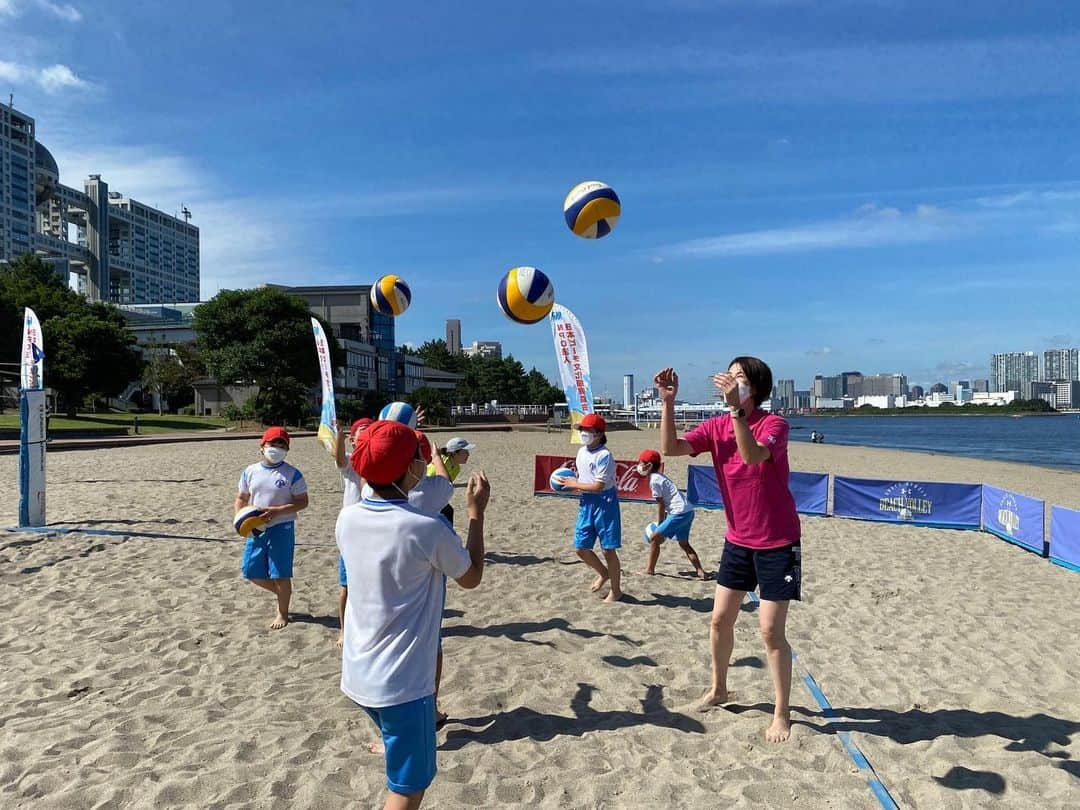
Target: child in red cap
<point x="674" y="516"/>
<point x="598" y="515"/>
<point x="280" y="491"/>
<point x="398" y="558"/>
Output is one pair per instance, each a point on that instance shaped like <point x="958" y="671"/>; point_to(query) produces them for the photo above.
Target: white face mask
<point x="744" y="393"/>
<point x="642" y="469"/>
<point x="274" y="455"/>
<point x="587" y="437"/>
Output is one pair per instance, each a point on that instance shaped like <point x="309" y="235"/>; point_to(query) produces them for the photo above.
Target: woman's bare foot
<point x="340" y="640"/>
<point x="713" y="698"/>
<point x="598" y="583"/>
<point x="613" y="596"/>
<point x="779" y="731"/>
<point x="279" y="622"/>
<point x="647" y="572"/>
<point x="376" y="748"/>
<point x="702" y="575"/>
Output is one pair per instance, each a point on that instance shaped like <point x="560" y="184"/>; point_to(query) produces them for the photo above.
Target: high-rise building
<point x="1038" y="389"/>
<point x="784" y="393"/>
<point x="1014" y="371"/>
<point x="980" y="386"/>
<point x="628" y="390"/>
<point x="124" y="251"/>
<point x="828" y="387"/>
<point x="1067" y="395"/>
<point x="851" y="383"/>
<point x="1061" y="364"/>
<point x="879" y="385"/>
<point x="453" y="336"/>
<point x="917" y="392"/>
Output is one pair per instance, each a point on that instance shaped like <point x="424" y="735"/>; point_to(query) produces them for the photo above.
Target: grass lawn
<point x="148" y="422"/>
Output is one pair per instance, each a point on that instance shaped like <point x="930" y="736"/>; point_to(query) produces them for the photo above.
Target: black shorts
<point x="778" y="571"/>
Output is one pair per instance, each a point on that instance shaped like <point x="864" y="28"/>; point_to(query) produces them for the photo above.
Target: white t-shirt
<point x="664" y="489"/>
<point x="351" y="483"/>
<point x="430" y="495"/>
<point x="398" y="559"/>
<point x="272" y="486"/>
<point x="596" y="465"/>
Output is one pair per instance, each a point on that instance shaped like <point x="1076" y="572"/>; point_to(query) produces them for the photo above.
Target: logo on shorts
<point x="907" y="500"/>
<point x="1008" y="514"/>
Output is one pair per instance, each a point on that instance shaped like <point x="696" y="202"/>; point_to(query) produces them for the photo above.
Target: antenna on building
<point x="185" y="213"/>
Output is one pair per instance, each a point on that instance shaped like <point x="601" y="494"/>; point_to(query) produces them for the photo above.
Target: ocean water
<point x="1049" y="441"/>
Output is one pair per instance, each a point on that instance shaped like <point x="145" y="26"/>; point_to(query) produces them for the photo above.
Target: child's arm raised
<point x="477" y="494"/>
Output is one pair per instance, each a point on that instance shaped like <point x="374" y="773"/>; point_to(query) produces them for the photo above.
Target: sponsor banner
<point x="810" y="490"/>
<point x="925" y="503"/>
<point x="572" y="357"/>
<point x="1065" y="537"/>
<point x="1014" y="517"/>
<point x="32" y="458"/>
<point x="33" y="352"/>
<point x="328" y="418"/>
<point x="630" y="485"/>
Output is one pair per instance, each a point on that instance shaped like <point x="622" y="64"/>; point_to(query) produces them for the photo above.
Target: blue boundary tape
<point x="877" y="787"/>
<point x="53" y="532"/>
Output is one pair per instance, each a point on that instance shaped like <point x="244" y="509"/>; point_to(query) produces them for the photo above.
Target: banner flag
<point x="328" y="419"/>
<point x="1065" y="537"/>
<point x="572" y="357"/>
<point x="629" y="485"/>
<point x="33" y="352"/>
<point x="924" y="503"/>
<point x="1014" y="517"/>
<point x="810" y="490"/>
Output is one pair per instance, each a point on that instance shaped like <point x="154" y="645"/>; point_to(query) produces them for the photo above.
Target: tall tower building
<point x="1061" y="364"/>
<point x="628" y="390"/>
<point x="1014" y="371"/>
<point x="453" y="336"/>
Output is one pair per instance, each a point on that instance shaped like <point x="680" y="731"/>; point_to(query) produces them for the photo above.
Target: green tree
<point x="168" y="372"/>
<point x="262" y="336"/>
<point x="433" y="401"/>
<point x="436" y="355"/>
<point x="541" y="391"/>
<point x="27" y="281"/>
<point x="87" y="355"/>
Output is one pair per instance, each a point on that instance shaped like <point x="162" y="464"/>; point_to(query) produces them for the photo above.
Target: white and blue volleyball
<point x="591" y="209"/>
<point x="526" y="295"/>
<point x="391" y="295"/>
<point x="650" y="530"/>
<point x="399" y="412"/>
<point x="556" y="478"/>
<point x="250" y="521"/>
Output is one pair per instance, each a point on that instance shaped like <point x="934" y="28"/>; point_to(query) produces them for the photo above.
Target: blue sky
<point x="874" y="185"/>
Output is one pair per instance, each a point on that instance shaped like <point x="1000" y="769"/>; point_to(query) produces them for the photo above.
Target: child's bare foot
<point x="614" y="596"/>
<point x="340" y="641"/>
<point x="598" y="583"/>
<point x="647" y="572"/>
<point x="279" y="622"/>
<point x="779" y="731"/>
<point x="701" y="574"/>
<point x="441" y="719"/>
<point x="376" y="748"/>
<point x="713" y="697"/>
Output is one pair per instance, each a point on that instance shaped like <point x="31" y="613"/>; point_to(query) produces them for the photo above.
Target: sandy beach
<point x="139" y="671"/>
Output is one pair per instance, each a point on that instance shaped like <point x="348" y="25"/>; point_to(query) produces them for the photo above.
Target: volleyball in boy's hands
<point x="399" y="412"/>
<point x="250" y="521"/>
<point x="591" y="209"/>
<point x="390" y="295"/>
<point x="556" y="479"/>
<point x="526" y="295"/>
<point x="650" y="530"/>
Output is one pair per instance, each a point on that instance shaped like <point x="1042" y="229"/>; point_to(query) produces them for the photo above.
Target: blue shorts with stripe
<point x="599" y="519"/>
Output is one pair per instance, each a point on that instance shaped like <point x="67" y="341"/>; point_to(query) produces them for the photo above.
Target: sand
<point x="138" y="672"/>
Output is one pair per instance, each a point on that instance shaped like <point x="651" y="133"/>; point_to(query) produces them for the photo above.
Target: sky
<point x="871" y="185"/>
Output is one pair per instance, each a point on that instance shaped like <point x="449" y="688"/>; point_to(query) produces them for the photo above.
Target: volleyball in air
<point x="391" y="295"/>
<point x="591" y="209"/>
<point x="250" y="521"/>
<point x="399" y="412"/>
<point x="526" y="295"/>
<point x="556" y="478"/>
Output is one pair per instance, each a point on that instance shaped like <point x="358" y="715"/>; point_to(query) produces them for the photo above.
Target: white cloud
<point x="8" y="7"/>
<point x="819" y="352"/>
<point x="61" y="11"/>
<point x="52" y="79"/>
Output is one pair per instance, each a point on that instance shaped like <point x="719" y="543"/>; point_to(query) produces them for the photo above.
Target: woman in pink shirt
<point x="761" y="549"/>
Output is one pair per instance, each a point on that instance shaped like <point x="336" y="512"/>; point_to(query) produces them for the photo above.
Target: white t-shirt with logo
<point x="398" y="559"/>
<point x="430" y="495"/>
<point x="272" y="486"/>
<point x="663" y="488"/>
<point x="596" y="465"/>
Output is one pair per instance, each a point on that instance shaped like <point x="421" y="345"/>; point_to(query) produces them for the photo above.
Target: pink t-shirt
<point x="758" y="504"/>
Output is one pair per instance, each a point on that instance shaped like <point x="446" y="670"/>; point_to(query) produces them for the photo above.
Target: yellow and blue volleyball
<point x="250" y="521"/>
<point x="526" y="295"/>
<point x="391" y="295"/>
<point x="591" y="209"/>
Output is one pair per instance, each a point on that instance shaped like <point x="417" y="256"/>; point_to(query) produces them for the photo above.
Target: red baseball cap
<point x="425" y="446"/>
<point x="359" y="424"/>
<point x="592" y="422"/>
<point x="649" y="457"/>
<point x="383" y="452"/>
<point x="275" y="432"/>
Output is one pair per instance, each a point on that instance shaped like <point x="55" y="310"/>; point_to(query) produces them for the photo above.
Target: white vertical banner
<point x="32" y="457"/>
<point x="572" y="357"/>
<point x="33" y="352"/>
<point x="328" y="418"/>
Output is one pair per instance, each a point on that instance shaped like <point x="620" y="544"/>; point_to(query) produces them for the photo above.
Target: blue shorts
<point x="343" y="580"/>
<point x="408" y="734"/>
<point x="270" y="555"/>
<point x="598" y="517"/>
<point x="677" y="527"/>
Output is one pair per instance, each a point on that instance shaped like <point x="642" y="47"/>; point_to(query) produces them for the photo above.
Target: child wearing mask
<point x="598" y="515"/>
<point x="674" y="516"/>
<point x="279" y="490"/>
